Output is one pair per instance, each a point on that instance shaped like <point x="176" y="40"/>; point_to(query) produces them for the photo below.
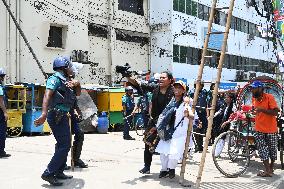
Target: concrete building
<point x="100" y="34"/>
<point x="178" y="30"/>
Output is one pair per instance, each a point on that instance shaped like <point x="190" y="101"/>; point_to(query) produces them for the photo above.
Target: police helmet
<point x="128" y="88"/>
<point x="61" y="61"/>
<point x="2" y="72"/>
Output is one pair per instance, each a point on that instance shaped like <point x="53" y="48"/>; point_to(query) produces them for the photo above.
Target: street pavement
<point x="114" y="164"/>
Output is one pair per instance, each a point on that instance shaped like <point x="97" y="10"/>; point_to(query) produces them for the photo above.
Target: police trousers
<point x="61" y="132"/>
<point x="3" y="130"/>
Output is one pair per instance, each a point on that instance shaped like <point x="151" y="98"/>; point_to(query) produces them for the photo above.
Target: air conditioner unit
<point x="249" y="3"/>
<point x="250" y="37"/>
<point x="79" y="56"/>
<point x="252" y="75"/>
<point x="246" y="76"/>
<point x="239" y="75"/>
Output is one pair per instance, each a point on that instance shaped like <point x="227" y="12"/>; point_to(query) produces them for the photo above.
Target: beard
<point x="256" y="94"/>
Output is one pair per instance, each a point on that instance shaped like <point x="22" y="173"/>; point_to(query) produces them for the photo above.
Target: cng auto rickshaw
<point x="15" y="99"/>
<point x="35" y="93"/>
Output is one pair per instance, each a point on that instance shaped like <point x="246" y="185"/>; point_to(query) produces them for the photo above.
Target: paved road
<point x="114" y="164"/>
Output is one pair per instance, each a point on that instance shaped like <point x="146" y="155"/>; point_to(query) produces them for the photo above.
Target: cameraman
<point x="162" y="95"/>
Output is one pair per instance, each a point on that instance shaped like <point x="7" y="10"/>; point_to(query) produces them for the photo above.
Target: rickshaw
<point x="233" y="149"/>
<point x="35" y="93"/>
<point x="15" y="99"/>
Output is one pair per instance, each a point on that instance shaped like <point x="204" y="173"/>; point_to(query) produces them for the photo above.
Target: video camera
<point x="124" y="70"/>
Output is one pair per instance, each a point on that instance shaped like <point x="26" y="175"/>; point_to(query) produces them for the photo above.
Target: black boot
<point x="172" y="173"/>
<point x="77" y="149"/>
<point x="52" y="180"/>
<point x="79" y="163"/>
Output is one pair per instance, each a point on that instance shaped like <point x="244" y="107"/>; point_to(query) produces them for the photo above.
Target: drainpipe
<point x="149" y="44"/>
<point x="110" y="31"/>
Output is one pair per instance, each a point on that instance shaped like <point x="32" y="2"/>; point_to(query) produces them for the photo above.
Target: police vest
<point x="63" y="95"/>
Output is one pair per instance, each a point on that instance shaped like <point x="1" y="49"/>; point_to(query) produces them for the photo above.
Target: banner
<point x="278" y="11"/>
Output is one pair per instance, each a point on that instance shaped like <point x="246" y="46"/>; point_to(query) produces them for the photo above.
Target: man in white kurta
<point x="171" y="151"/>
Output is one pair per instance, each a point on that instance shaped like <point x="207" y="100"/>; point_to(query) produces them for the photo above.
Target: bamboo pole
<point x="71" y="142"/>
<point x="212" y="111"/>
<point x="196" y="92"/>
<point x="25" y="39"/>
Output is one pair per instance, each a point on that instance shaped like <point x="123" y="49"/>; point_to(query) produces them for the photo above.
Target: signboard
<point x="278" y="11"/>
<point x="228" y="86"/>
<point x="215" y="40"/>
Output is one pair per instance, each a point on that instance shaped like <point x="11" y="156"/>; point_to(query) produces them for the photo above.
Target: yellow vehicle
<point x="15" y="98"/>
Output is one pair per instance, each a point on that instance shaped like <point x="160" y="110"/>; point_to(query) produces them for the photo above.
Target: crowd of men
<point x="165" y="105"/>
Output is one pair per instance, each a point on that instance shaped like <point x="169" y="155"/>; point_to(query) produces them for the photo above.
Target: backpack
<point x="165" y="124"/>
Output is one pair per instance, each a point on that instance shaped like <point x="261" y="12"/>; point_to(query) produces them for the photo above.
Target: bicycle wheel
<point x="139" y="127"/>
<point x="231" y="154"/>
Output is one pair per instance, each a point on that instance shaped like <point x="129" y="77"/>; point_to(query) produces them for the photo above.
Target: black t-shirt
<point x="161" y="103"/>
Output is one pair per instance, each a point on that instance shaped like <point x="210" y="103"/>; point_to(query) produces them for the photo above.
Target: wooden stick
<point x="212" y="111"/>
<point x="71" y="141"/>
<point x="196" y="92"/>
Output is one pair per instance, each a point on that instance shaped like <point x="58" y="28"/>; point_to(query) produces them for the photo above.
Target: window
<point x="206" y="13"/>
<point x="176" y="53"/>
<point x="57" y="36"/>
<point x="97" y="30"/>
<point x="182" y="54"/>
<point x="244" y="26"/>
<point x="195" y="56"/>
<point x="193" y="8"/>
<point x="181" y="6"/>
<point x="217" y="17"/>
<point x="233" y="22"/>
<point x="188" y="7"/>
<point x="238" y="24"/>
<point x="134" y="6"/>
<point x="189" y="55"/>
<point x="175" y="5"/>
<point x="200" y="11"/>
<point x="124" y="36"/>
<point x="223" y="19"/>
<point x="234" y="62"/>
<point x="226" y="61"/>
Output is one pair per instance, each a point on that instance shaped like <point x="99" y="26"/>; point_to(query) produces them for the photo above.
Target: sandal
<point x="264" y="174"/>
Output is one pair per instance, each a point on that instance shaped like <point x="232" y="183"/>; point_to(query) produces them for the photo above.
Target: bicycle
<point x="233" y="149"/>
<point x="280" y="122"/>
<point x="137" y="123"/>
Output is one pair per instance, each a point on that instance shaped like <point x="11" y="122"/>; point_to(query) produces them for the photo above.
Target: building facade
<point x="99" y="34"/>
<point x="178" y="30"/>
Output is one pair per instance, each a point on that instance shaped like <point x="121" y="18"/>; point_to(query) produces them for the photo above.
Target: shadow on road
<point x="173" y="183"/>
<point x="74" y="183"/>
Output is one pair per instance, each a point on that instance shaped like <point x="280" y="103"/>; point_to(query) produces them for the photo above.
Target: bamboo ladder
<point x="215" y="92"/>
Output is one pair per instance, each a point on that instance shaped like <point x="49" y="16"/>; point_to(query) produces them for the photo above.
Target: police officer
<point x="3" y="118"/>
<point x="78" y="133"/>
<point x="59" y="98"/>
<point x="128" y="107"/>
<point x="201" y="107"/>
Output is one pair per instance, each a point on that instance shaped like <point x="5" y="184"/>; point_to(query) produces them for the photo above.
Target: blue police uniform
<point x="3" y="126"/>
<point x="60" y="104"/>
<point x="201" y="112"/>
<point x="143" y="104"/>
<point x="78" y="140"/>
<point x="128" y="102"/>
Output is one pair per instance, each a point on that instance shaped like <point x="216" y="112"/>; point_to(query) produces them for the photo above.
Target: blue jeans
<point x="61" y="132"/>
<point x="3" y="130"/>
